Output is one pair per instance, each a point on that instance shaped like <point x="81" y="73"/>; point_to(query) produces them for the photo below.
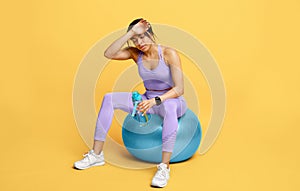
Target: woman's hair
<point x="150" y="30"/>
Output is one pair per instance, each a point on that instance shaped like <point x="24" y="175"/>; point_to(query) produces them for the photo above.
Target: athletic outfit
<point x="170" y="110"/>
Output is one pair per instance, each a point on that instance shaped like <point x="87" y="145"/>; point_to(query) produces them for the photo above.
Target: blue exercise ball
<point x="145" y="143"/>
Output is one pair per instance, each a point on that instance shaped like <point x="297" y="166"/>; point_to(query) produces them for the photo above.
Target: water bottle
<point x="137" y="115"/>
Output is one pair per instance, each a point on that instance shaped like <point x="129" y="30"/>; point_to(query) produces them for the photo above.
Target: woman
<point x="161" y="71"/>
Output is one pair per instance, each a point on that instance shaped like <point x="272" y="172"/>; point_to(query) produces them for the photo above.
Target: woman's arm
<point x="172" y="58"/>
<point x="115" y="52"/>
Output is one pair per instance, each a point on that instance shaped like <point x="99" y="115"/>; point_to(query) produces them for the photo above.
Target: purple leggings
<point x="170" y="110"/>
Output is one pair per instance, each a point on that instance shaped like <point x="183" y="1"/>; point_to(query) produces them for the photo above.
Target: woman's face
<point x="142" y="42"/>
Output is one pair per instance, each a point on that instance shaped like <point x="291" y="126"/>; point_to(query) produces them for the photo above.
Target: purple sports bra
<point x="160" y="78"/>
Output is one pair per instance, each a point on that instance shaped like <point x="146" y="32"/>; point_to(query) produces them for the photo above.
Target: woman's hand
<point x="141" y="27"/>
<point x="145" y="105"/>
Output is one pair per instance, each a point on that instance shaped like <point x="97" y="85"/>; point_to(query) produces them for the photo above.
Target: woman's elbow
<point x="107" y="55"/>
<point x="182" y="91"/>
<point x="179" y="91"/>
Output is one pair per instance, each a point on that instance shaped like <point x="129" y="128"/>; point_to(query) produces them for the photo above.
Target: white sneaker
<point x="162" y="176"/>
<point x="90" y="159"/>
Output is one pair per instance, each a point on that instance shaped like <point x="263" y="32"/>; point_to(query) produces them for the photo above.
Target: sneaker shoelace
<point x="87" y="157"/>
<point x="161" y="173"/>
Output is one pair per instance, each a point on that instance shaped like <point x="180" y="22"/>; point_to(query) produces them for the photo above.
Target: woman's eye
<point x="141" y="36"/>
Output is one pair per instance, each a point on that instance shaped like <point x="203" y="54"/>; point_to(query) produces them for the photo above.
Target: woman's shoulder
<point x="168" y="52"/>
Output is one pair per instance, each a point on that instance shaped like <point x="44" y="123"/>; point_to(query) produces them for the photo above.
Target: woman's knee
<point x="107" y="97"/>
<point x="170" y="103"/>
<point x="170" y="106"/>
<point x="119" y="100"/>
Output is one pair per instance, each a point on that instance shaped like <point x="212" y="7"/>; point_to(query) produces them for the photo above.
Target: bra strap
<point x="159" y="51"/>
<point x="139" y="56"/>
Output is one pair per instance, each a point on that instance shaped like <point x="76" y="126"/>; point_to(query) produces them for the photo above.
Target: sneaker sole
<point x="96" y="164"/>
<point x="158" y="186"/>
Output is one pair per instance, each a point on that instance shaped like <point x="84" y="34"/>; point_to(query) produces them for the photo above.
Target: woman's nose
<point x="139" y="41"/>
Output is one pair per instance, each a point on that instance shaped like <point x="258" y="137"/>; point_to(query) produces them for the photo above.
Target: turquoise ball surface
<point x="145" y="143"/>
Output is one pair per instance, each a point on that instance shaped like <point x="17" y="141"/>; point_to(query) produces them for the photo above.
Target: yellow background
<point x="255" y="43"/>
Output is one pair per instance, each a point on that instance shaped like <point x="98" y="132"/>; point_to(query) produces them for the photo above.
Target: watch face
<point x="157" y="100"/>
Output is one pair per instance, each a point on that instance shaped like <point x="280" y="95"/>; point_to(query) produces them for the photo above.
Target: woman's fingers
<point x="146" y="23"/>
<point x="141" y="27"/>
<point x="143" y="106"/>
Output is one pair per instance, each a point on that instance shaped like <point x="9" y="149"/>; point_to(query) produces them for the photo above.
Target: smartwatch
<point x="157" y="100"/>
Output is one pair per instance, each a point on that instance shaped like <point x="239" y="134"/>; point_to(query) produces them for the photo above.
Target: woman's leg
<point x="98" y="146"/>
<point x="110" y="102"/>
<point x="171" y="110"/>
